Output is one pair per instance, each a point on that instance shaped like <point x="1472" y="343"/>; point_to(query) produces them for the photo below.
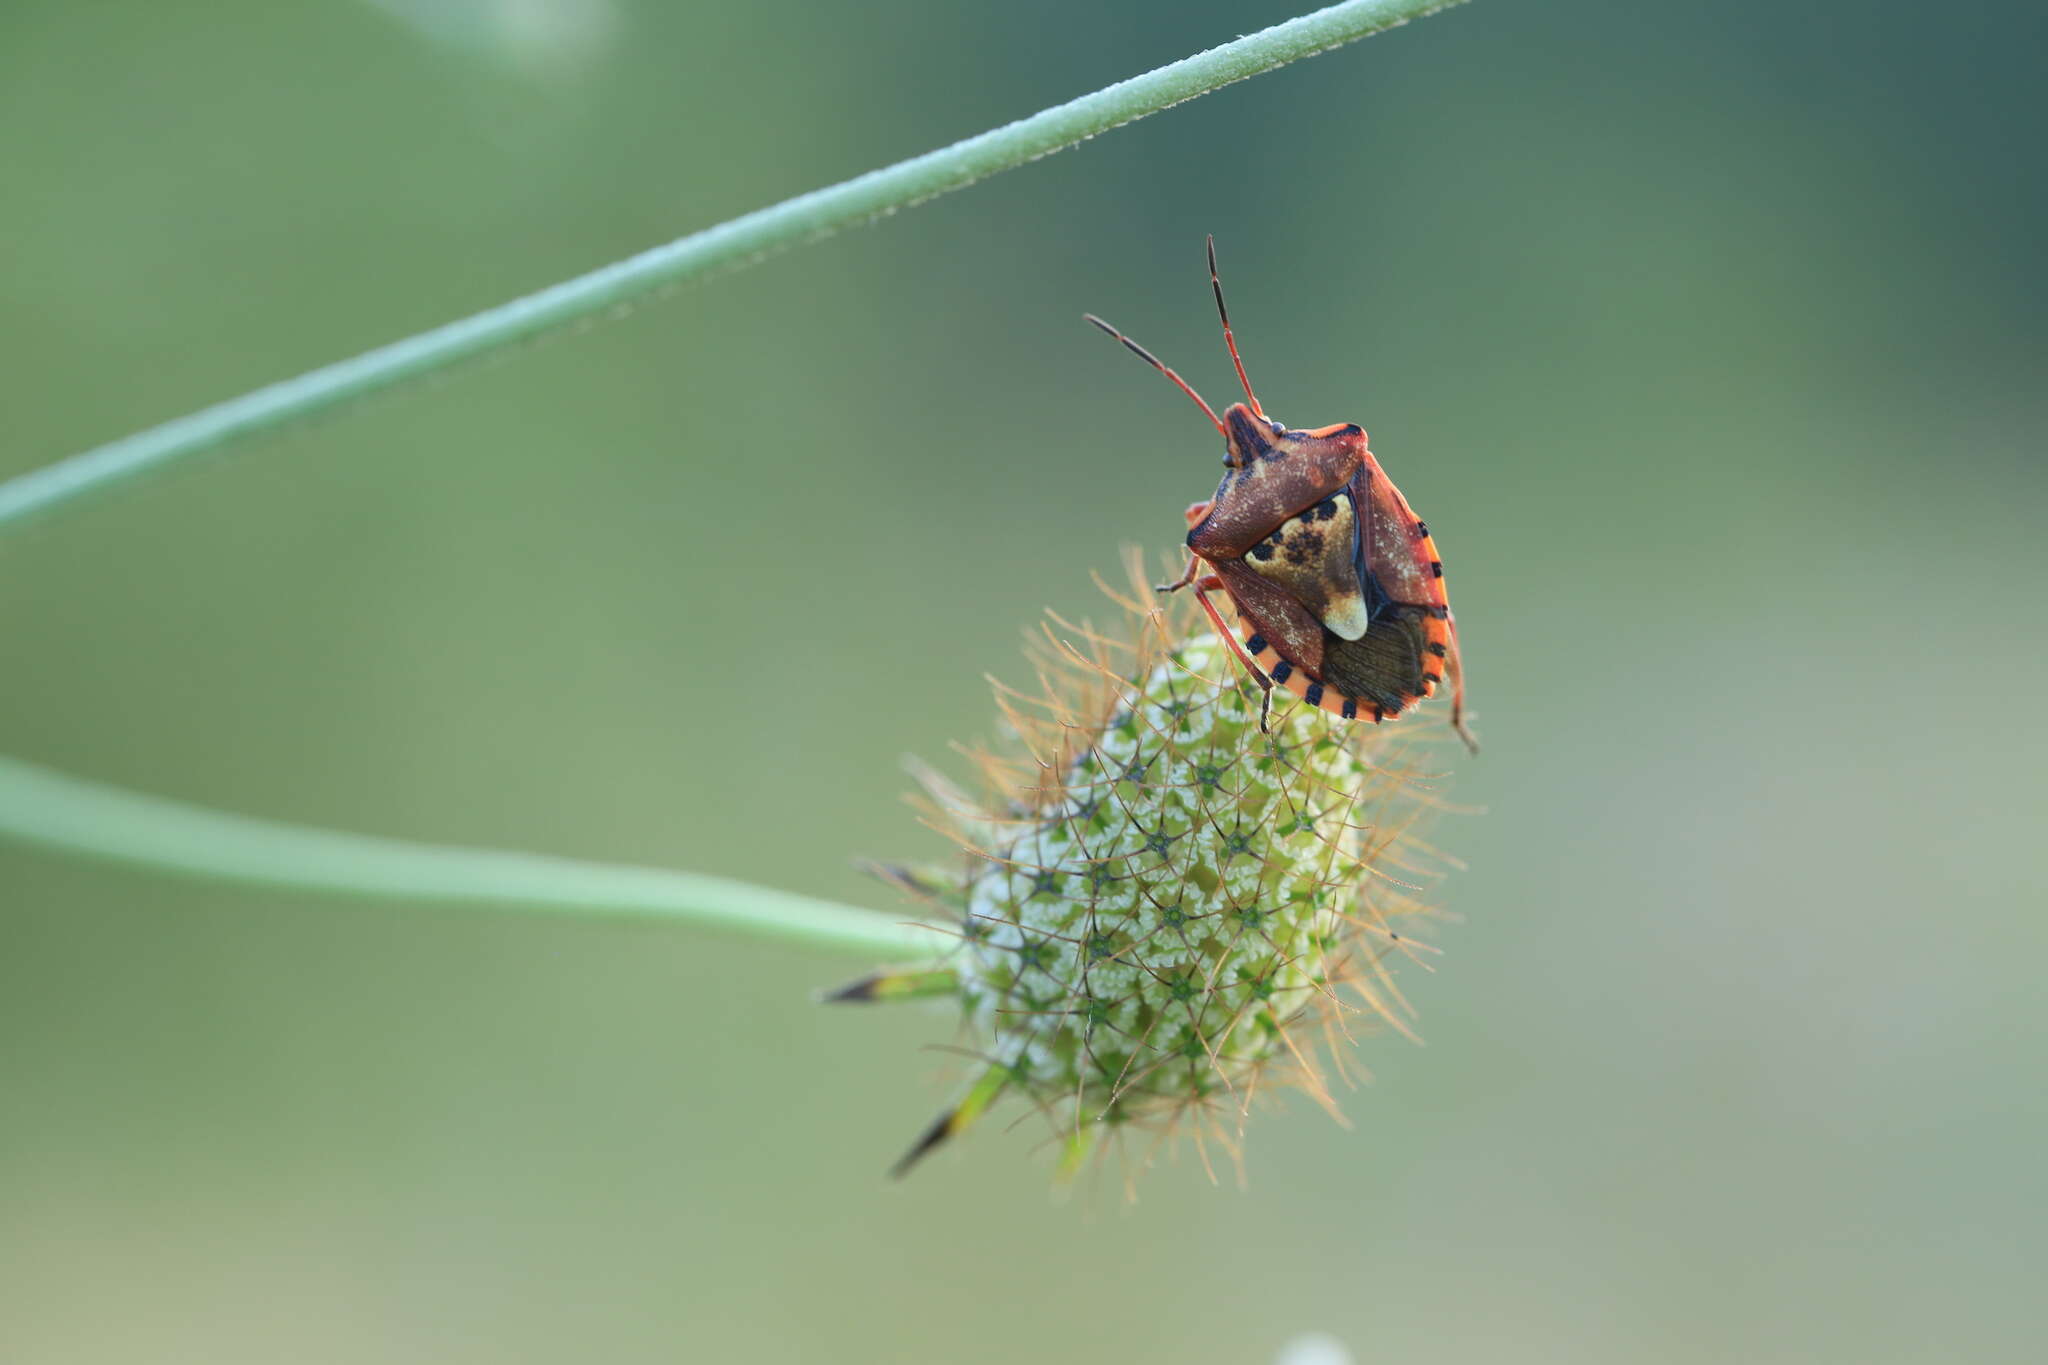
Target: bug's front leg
<point x="1195" y="566"/>
<point x="1195" y="514"/>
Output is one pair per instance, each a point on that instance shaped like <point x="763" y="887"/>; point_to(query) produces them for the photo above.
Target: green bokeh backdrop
<point x="1709" y="340"/>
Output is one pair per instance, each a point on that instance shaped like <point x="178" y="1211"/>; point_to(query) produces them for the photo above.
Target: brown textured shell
<point x="1288" y="584"/>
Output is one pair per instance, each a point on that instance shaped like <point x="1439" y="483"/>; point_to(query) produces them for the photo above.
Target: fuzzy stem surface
<point x="55" y="811"/>
<point x="729" y="245"/>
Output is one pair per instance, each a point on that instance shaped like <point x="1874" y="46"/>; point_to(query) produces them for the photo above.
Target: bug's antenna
<point x="1153" y="361"/>
<point x="1216" y="281"/>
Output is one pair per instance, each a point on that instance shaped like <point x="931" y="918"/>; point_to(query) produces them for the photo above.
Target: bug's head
<point x="1249" y="435"/>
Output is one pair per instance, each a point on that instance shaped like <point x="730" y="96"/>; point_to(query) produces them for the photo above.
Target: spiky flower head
<point x="1159" y="908"/>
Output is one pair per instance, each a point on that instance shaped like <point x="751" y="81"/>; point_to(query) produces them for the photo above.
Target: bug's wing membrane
<point x="1386" y="667"/>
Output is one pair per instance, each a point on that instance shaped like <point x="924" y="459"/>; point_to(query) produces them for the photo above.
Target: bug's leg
<point x="1196" y="515"/>
<point x="1202" y="591"/>
<point x="1458" y="724"/>
<point x="1195" y="563"/>
<point x="1455" y="666"/>
<point x="1458" y="715"/>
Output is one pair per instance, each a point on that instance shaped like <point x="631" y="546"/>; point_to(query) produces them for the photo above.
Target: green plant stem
<point x="738" y="242"/>
<point x="41" y="807"/>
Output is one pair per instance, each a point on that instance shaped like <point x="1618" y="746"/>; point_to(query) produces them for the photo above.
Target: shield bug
<point x="1337" y="586"/>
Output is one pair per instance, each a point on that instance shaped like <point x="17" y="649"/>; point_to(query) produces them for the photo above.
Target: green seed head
<point x="1163" y="904"/>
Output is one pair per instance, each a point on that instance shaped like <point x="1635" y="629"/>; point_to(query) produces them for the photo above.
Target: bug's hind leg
<point x="1464" y="730"/>
<point x="1456" y="668"/>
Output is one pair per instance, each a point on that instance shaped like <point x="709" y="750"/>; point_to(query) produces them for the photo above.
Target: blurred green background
<point x="1709" y="339"/>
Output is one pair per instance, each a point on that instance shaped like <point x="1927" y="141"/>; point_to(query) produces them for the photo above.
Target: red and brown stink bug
<point x="1337" y="586"/>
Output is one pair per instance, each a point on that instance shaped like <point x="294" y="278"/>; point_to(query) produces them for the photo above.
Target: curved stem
<point x="731" y="244"/>
<point x="38" y="806"/>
